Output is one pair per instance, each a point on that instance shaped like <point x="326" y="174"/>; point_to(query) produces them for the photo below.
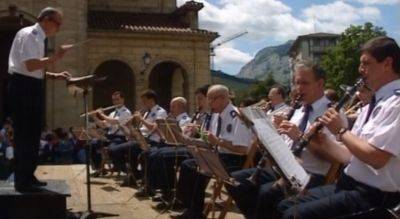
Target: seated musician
<point x="147" y="129"/>
<point x="276" y="96"/>
<point x="371" y="179"/>
<point x="231" y="140"/>
<point x="258" y="200"/>
<point x="162" y="164"/>
<point x="157" y="170"/>
<point x="114" y="135"/>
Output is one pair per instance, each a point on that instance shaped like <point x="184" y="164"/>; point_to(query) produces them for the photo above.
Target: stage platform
<point x="107" y="195"/>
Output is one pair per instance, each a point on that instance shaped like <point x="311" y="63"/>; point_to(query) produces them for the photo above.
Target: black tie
<point x="304" y="120"/>
<point x="272" y="108"/>
<point x="219" y="126"/>
<point x="371" y="107"/>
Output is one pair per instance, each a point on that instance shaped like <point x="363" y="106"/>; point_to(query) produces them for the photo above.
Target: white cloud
<point x="376" y="2"/>
<point x="337" y="16"/>
<point x="230" y="56"/>
<point x="275" y="21"/>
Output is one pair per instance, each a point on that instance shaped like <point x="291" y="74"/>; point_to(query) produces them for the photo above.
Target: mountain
<point x="270" y="60"/>
<point x="238" y="85"/>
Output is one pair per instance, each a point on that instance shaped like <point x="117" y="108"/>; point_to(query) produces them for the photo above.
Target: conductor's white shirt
<point x="28" y="44"/>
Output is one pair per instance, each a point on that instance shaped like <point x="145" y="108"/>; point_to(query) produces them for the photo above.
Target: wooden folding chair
<point x="217" y="187"/>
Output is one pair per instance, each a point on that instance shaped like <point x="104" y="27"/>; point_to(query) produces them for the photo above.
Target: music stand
<point x="83" y="85"/>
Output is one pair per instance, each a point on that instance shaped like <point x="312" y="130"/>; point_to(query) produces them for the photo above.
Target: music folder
<point x="268" y="136"/>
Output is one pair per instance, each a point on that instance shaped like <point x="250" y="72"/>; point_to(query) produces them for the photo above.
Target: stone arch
<point x="119" y="76"/>
<point x="169" y="79"/>
<point x="10" y="23"/>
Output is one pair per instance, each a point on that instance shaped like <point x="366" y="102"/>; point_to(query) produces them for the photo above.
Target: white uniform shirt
<point x="382" y="131"/>
<point x="232" y="128"/>
<point x="183" y="119"/>
<point x="123" y="114"/>
<point x="28" y="44"/>
<point x="310" y="162"/>
<point x="156" y="112"/>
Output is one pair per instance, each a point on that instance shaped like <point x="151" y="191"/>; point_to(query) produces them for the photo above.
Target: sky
<point x="273" y="22"/>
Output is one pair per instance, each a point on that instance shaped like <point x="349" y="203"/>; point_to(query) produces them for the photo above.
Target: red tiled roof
<point x="140" y="22"/>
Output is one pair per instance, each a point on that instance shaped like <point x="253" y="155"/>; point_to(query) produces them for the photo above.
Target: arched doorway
<point x="119" y="77"/>
<point x="168" y="79"/>
<point x="10" y="22"/>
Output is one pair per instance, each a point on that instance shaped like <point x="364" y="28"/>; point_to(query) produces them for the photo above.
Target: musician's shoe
<point x="37" y="183"/>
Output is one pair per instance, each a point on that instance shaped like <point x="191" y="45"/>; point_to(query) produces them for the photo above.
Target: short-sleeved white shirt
<point x="155" y="113"/>
<point x="232" y="128"/>
<point x="123" y="114"/>
<point x="28" y="44"/>
<point x="310" y="162"/>
<point x="382" y="131"/>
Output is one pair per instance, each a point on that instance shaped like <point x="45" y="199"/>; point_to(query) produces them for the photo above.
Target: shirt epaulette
<point x="397" y="92"/>
<point x="233" y="113"/>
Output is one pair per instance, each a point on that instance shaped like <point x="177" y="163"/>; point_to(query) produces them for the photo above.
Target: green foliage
<point x="258" y="90"/>
<point x="341" y="61"/>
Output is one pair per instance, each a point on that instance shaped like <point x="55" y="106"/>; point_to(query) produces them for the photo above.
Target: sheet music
<point x="277" y="148"/>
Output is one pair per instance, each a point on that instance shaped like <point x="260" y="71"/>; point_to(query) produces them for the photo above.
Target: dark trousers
<point x="28" y="110"/>
<point x="119" y="154"/>
<point x="192" y="185"/>
<point x="161" y="168"/>
<point x="259" y="201"/>
<point x="346" y="197"/>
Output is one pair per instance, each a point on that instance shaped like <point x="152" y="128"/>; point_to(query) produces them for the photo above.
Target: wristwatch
<point x="340" y="133"/>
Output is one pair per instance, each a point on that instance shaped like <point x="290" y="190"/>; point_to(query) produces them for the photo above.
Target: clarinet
<point x="261" y="163"/>
<point x="307" y="137"/>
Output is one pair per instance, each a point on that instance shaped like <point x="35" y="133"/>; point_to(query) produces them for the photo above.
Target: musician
<point x="111" y="123"/>
<point x="276" y="96"/>
<point x="161" y="171"/>
<point x="147" y="129"/>
<point x="372" y="148"/>
<point x="231" y="139"/>
<point x="258" y="201"/>
<point x="164" y="160"/>
<point x="26" y="65"/>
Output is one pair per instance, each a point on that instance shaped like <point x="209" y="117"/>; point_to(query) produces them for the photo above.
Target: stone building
<point x="136" y="44"/>
<point x="312" y="46"/>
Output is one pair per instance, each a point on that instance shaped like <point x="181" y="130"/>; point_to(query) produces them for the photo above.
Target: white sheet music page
<point x="277" y="148"/>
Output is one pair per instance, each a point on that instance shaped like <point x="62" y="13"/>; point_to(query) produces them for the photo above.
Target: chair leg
<point x="216" y="192"/>
<point x="227" y="206"/>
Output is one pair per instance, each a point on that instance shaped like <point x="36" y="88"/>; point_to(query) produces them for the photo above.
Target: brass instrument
<point x="354" y="108"/>
<point x="306" y="138"/>
<point x="103" y="109"/>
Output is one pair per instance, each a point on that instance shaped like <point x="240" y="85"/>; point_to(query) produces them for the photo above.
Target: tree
<point x="341" y="61"/>
<point x="260" y="89"/>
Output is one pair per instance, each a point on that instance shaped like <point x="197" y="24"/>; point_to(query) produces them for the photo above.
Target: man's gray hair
<point x="219" y="89"/>
<point x="48" y="12"/>
<point x="181" y="100"/>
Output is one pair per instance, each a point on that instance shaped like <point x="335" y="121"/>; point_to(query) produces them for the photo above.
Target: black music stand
<point x="83" y="85"/>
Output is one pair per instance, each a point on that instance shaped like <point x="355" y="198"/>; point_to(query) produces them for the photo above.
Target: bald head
<point x="178" y="106"/>
<point x="218" y="98"/>
<point x="219" y="90"/>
